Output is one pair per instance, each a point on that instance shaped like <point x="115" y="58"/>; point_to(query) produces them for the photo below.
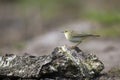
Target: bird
<point x="74" y="37"/>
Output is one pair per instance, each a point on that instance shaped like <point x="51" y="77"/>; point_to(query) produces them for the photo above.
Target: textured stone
<point x="64" y="63"/>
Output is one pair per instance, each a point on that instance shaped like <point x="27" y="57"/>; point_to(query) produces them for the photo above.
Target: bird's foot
<point x="75" y="48"/>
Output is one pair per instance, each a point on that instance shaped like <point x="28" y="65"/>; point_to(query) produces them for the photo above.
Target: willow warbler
<point x="76" y="37"/>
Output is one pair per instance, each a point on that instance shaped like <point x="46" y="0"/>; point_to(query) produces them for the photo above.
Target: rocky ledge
<point x="64" y="63"/>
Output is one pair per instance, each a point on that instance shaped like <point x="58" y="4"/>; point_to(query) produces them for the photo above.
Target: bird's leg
<point x="73" y="47"/>
<point x="78" y="43"/>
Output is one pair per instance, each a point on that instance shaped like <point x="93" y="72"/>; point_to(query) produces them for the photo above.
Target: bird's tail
<point x="95" y="35"/>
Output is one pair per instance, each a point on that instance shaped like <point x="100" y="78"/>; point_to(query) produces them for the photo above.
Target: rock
<point x="26" y="66"/>
<point x="73" y="63"/>
<point x="64" y="63"/>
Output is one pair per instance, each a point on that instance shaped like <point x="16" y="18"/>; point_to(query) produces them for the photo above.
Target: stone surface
<point x="65" y="63"/>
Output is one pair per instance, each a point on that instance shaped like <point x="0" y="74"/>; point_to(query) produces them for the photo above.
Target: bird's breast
<point x="67" y="36"/>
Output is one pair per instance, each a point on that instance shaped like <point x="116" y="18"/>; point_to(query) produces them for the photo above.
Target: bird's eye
<point x="66" y="31"/>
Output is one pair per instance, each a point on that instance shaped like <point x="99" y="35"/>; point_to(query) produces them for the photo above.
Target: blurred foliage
<point x="110" y="22"/>
<point x="53" y="8"/>
<point x="8" y="1"/>
<point x="109" y="18"/>
<point x="113" y="32"/>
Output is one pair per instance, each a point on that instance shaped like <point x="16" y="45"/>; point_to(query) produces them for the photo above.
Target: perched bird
<point x="76" y="37"/>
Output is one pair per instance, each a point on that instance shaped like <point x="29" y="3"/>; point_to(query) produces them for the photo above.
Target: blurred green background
<point x="23" y="20"/>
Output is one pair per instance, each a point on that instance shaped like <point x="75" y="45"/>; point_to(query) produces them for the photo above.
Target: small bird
<point x="76" y="37"/>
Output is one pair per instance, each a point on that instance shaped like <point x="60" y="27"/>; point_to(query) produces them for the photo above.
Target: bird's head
<point x="67" y="32"/>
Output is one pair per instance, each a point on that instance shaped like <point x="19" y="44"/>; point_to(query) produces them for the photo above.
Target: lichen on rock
<point x="73" y="63"/>
<point x="63" y="63"/>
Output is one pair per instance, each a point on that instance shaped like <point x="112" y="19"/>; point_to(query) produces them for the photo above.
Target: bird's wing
<point x="85" y="35"/>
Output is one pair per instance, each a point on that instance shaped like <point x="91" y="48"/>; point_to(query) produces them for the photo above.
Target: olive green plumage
<point x="76" y="37"/>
